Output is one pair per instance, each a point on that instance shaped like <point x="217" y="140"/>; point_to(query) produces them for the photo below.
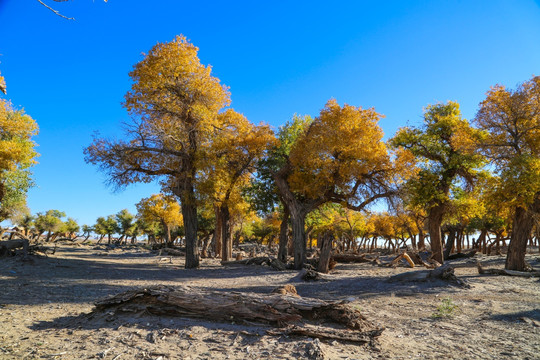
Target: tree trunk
<point x="521" y="230"/>
<point x="189" y="211"/>
<point x="226" y="239"/>
<point x="298" y="211"/>
<point x="298" y="220"/>
<point x="435" y="217"/>
<point x="421" y="237"/>
<point x="218" y="232"/>
<point x="326" y="252"/>
<point x="167" y="233"/>
<point x="205" y="246"/>
<point x="449" y="243"/>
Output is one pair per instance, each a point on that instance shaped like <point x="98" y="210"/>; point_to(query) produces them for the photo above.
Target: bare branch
<point x="56" y="11"/>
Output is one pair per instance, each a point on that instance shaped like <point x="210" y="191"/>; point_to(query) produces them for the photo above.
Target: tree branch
<point x="56" y="11"/>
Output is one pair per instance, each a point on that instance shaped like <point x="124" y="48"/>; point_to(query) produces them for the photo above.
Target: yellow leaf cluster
<point x="160" y="208"/>
<point x="230" y="158"/>
<point x="340" y="145"/>
<point x="16" y="130"/>
<point x="176" y="94"/>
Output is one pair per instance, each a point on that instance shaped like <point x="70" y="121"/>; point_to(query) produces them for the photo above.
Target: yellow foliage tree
<point x="17" y="155"/>
<point x="444" y="150"/>
<point x="511" y="119"/>
<point x="228" y="162"/>
<point x="163" y="209"/>
<point x="338" y="157"/>
<point x="174" y="101"/>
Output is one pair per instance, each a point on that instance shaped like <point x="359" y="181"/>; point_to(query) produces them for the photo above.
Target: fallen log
<point x="445" y="272"/>
<point x="467" y="255"/>
<point x="8" y="245"/>
<point x="351" y="258"/>
<point x="312" y="275"/>
<point x="171" y="252"/>
<point x="527" y="274"/>
<point x="328" y="333"/>
<point x="273" y="309"/>
<point x="260" y="260"/>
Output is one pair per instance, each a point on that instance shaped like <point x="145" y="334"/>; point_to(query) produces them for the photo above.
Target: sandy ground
<point x="42" y="303"/>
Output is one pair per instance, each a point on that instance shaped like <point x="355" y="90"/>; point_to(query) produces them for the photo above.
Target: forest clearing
<point x="348" y="180"/>
<point x="45" y="302"/>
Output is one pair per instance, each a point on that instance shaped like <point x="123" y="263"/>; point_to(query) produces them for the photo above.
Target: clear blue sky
<point x="278" y="59"/>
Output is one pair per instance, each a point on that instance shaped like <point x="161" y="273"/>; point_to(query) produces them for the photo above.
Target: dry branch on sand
<point x="171" y="252"/>
<point x="483" y="271"/>
<point x="291" y="313"/>
<point x="260" y="260"/>
<point x="445" y="272"/>
<point x="352" y="258"/>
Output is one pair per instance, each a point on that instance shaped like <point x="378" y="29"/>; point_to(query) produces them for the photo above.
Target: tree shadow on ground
<point x="86" y="278"/>
<point x="520" y="316"/>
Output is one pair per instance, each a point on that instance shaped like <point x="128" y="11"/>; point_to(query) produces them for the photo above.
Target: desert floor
<point x="43" y="302"/>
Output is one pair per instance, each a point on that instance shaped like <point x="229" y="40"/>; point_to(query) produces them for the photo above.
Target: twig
<point x="55" y="11"/>
<point x="54" y="355"/>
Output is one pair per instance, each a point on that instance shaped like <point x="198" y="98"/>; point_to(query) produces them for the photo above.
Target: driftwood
<point x="260" y="260"/>
<point x="273" y="309"/>
<point x="329" y="333"/>
<point x="467" y="255"/>
<point x="312" y="275"/>
<point x="351" y="258"/>
<point x="171" y="252"/>
<point x="403" y="256"/>
<point x="66" y="239"/>
<point x="38" y="248"/>
<point x="287" y="289"/>
<point x="445" y="272"/>
<point x="8" y="245"/>
<point x="483" y="271"/>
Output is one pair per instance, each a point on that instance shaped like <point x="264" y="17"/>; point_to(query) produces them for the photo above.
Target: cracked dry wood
<point x="348" y="323"/>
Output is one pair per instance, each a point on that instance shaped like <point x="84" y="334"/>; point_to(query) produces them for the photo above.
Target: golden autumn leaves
<point x="184" y="134"/>
<point x="17" y="155"/>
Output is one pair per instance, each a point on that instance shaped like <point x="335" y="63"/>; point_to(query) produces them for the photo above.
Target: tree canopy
<point x="511" y="119"/>
<point x="444" y="152"/>
<point x="174" y="101"/>
<point x="17" y="155"/>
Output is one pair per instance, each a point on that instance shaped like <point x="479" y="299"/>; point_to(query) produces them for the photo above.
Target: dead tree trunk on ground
<point x="274" y="309"/>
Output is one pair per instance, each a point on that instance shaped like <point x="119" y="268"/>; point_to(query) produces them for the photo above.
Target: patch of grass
<point x="447" y="309"/>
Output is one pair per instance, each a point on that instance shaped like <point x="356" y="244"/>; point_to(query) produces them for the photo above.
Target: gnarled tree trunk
<point x="284" y="236"/>
<point x="226" y="236"/>
<point x="435" y="218"/>
<point x="521" y="230"/>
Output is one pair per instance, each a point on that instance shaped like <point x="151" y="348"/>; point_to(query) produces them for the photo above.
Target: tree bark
<point x="449" y="243"/>
<point x="218" y="232"/>
<point x="326" y="252"/>
<point x="273" y="309"/>
<point x="421" y="237"/>
<point x="435" y="218"/>
<point x="298" y="220"/>
<point x="521" y="230"/>
<point x="189" y="211"/>
<point x="167" y="231"/>
<point x="226" y="239"/>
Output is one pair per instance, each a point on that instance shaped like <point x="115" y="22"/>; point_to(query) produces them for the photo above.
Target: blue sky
<point x="278" y="59"/>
